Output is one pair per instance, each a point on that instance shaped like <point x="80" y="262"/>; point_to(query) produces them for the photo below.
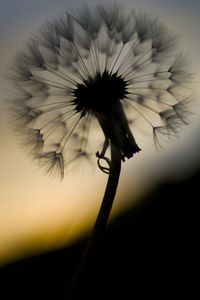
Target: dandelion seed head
<point x="98" y="68"/>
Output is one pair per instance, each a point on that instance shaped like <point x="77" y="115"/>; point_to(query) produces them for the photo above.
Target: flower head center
<point x="100" y="93"/>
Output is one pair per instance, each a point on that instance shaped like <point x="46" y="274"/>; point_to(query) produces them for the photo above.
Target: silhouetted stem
<point x="101" y="221"/>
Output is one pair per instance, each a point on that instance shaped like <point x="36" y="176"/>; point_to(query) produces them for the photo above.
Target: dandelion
<point x="99" y="66"/>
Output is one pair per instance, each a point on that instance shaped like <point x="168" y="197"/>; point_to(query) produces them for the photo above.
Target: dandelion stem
<point x="101" y="221"/>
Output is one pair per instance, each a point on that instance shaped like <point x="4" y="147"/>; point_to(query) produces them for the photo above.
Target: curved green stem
<point x="102" y="218"/>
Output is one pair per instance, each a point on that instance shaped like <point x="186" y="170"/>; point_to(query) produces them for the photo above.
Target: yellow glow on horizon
<point x="38" y="213"/>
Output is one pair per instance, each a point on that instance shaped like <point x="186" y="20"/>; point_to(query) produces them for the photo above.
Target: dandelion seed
<point x="53" y="163"/>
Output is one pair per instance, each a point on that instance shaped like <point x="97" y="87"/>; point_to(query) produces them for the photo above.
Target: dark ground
<point x="150" y="252"/>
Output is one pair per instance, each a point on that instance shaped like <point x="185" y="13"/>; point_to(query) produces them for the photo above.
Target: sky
<point x="39" y="213"/>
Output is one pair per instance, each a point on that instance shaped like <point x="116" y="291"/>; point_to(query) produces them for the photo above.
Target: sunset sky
<point x="38" y="212"/>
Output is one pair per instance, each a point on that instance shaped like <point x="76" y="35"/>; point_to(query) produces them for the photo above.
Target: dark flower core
<point x="100" y="93"/>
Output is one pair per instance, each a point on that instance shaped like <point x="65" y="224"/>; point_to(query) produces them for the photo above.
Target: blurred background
<point x="44" y="222"/>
